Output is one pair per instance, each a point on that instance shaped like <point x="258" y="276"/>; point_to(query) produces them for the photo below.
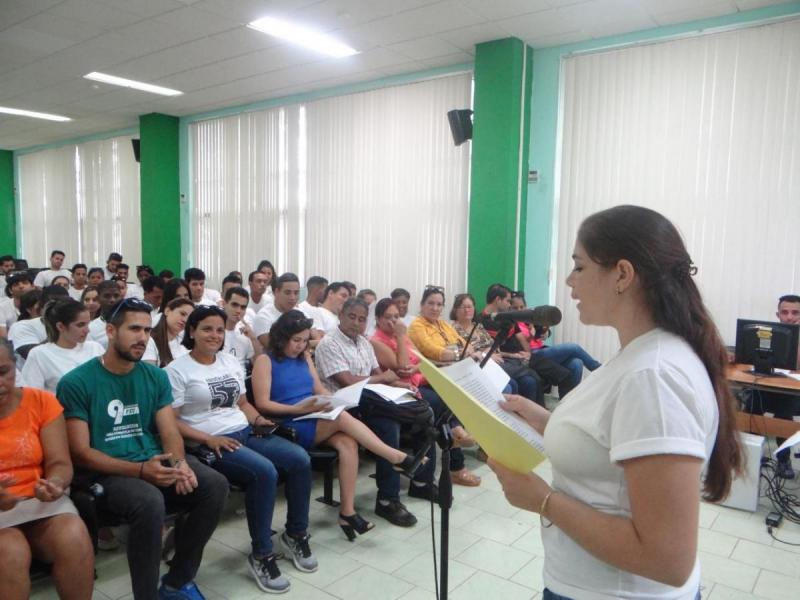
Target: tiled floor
<point x="495" y="552"/>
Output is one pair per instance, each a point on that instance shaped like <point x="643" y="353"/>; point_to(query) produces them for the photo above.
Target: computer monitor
<point x="766" y="345"/>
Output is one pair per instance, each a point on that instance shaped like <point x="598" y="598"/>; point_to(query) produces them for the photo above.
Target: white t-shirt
<point x="654" y="397"/>
<point x="134" y="291"/>
<point x="75" y="293"/>
<point x="8" y="313"/>
<point x="210" y="298"/>
<point x="30" y="332"/>
<point x="264" y="319"/>
<point x="239" y="345"/>
<point x="97" y="332"/>
<point x="324" y="320"/>
<point x="175" y="346"/>
<point x="48" y="363"/>
<point x="45" y="278"/>
<point x="266" y="299"/>
<point x="311" y="312"/>
<point x="207" y="396"/>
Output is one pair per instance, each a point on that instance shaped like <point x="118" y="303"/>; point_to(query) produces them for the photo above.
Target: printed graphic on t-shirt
<point x="224" y="391"/>
<point x="118" y="411"/>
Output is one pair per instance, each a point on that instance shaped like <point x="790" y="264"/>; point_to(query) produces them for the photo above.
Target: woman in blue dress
<point x="286" y="384"/>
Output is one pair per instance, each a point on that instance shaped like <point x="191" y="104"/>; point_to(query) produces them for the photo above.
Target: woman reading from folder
<point x="629" y="444"/>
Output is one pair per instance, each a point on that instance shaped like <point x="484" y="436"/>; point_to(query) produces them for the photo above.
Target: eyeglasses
<point x="132" y="302"/>
<point x="435" y="288"/>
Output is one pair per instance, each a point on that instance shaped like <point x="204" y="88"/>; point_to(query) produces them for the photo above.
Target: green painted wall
<point x="160" y="192"/>
<point x="8" y="216"/>
<point x="544" y="133"/>
<point x="498" y="192"/>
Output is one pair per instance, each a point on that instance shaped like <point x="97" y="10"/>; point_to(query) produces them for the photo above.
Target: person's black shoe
<point x="395" y="512"/>
<point x="784" y="470"/>
<point x="429" y="491"/>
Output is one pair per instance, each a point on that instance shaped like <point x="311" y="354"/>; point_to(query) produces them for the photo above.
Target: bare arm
<point x="171" y="439"/>
<point x="658" y="540"/>
<point x="262" y="383"/>
<point x="57" y="464"/>
<point x="87" y="457"/>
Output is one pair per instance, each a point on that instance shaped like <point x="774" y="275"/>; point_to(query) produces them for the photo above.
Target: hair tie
<point x="684" y="270"/>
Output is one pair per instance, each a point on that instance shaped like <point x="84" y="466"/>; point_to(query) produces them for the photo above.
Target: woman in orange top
<point x="36" y="518"/>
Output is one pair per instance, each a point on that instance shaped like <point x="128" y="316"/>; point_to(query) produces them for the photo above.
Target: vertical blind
<point x="705" y="130"/>
<point x="366" y="187"/>
<point x="82" y="199"/>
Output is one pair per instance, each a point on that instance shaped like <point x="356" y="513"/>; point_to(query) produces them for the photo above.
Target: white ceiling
<point x="203" y="48"/>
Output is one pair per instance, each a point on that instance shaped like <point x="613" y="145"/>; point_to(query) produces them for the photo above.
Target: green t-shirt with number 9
<point x="119" y="409"/>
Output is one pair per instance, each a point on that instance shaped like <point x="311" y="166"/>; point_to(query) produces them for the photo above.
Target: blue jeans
<point x="438" y="406"/>
<point x="548" y="595"/>
<point x="386" y="478"/>
<point x="255" y="466"/>
<point x="566" y="353"/>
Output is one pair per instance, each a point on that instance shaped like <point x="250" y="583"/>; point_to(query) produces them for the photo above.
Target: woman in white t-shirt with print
<point x="629" y="444"/>
<point x="212" y="409"/>
<point x="164" y="344"/>
<point x="67" y="324"/>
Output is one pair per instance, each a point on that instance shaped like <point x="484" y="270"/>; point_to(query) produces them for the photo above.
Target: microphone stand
<point x="442" y="436"/>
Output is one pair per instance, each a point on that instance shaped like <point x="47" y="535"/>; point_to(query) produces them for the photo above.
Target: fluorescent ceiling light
<point x="30" y="113"/>
<point x="130" y="83"/>
<point x="302" y="36"/>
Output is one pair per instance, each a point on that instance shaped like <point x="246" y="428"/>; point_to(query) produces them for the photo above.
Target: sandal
<point x="409" y="465"/>
<point x="462" y="440"/>
<point x="465" y="477"/>
<point x="354" y="524"/>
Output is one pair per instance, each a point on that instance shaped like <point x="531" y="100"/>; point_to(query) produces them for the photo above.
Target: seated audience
<point x="287" y="295"/>
<point x="95" y="276"/>
<point x="143" y="273"/>
<point x="370" y="297"/>
<point x="267" y="268"/>
<point x="433" y="336"/>
<point x="164" y="344"/>
<point x="351" y="288"/>
<point x="113" y="261"/>
<point x="30" y="331"/>
<point x="401" y="299"/>
<point x="212" y="409"/>
<point x="174" y="288"/>
<point x="286" y="384"/>
<point x="344" y="357"/>
<point x="79" y="281"/>
<point x="260" y="293"/>
<point x="45" y="278"/>
<point x="395" y="351"/>
<point x="240" y="341"/>
<point x="130" y="289"/>
<point x="137" y="456"/>
<point x="61" y="281"/>
<point x="326" y="314"/>
<point x="153" y="292"/>
<point x="67" y="324"/>
<point x="90" y="300"/>
<point x="198" y="292"/>
<point x="17" y="285"/>
<point x="166" y="275"/>
<point x="570" y="356"/>
<point x="315" y="295"/>
<point x="37" y="519"/>
<point x="7" y="266"/>
<point x="108" y="294"/>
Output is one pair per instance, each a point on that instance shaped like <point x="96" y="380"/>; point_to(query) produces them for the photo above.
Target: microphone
<point x="541" y="315"/>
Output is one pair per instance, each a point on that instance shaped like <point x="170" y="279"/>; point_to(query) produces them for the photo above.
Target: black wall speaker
<point x="460" y="125"/>
<point x="135" y="144"/>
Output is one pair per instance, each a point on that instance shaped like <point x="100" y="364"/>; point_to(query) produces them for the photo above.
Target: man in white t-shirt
<point x="79" y="281"/>
<point x="111" y="265"/>
<point x="198" y="292"/>
<point x="7" y="266"/>
<point x="287" y="295"/>
<point x="315" y="294"/>
<point x="45" y="278"/>
<point x="133" y="290"/>
<point x="326" y="315"/>
<point x="108" y="295"/>
<point x="401" y="298"/>
<point x="260" y="293"/>
<point x="153" y="292"/>
<point x="239" y="338"/>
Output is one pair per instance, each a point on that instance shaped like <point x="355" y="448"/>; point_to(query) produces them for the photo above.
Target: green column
<point x="498" y="197"/>
<point x="160" y="193"/>
<point x="8" y="215"/>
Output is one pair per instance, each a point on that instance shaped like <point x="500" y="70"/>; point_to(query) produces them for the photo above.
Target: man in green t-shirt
<point x="121" y="425"/>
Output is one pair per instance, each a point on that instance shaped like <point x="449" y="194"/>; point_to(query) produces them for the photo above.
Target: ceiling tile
<point x="529" y="27"/>
<point x="703" y="11"/>
<point x="145" y="8"/>
<point x="16" y="11"/>
<point x="505" y="9"/>
<point x="451" y="59"/>
<point x="466" y="38"/>
<point x="245" y="11"/>
<point x="422" y="48"/>
<point x="94" y="13"/>
<point x="198" y="23"/>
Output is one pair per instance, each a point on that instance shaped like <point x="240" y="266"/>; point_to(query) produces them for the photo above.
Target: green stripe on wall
<point x="499" y="151"/>
<point x="160" y="196"/>
<point x="8" y="216"/>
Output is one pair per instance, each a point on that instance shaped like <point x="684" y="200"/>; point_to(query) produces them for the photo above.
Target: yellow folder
<point x="505" y="437"/>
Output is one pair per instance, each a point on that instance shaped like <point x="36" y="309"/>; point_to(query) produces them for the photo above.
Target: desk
<point x="738" y="377"/>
